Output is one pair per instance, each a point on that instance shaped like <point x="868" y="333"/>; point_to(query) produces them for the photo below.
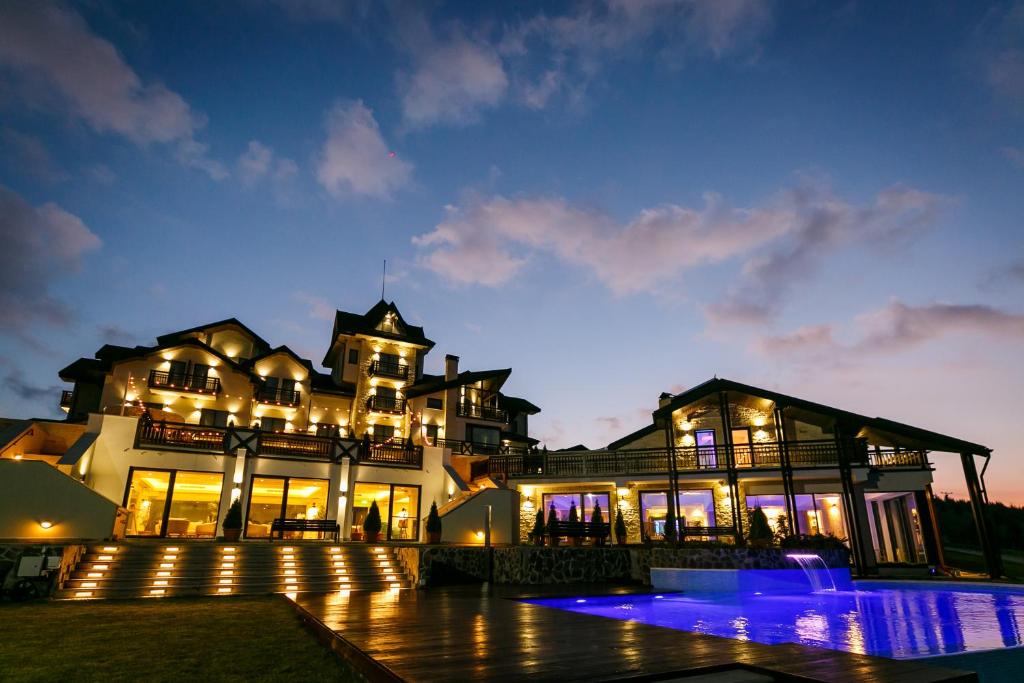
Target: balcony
<point x="180" y="436"/>
<point x="800" y="455"/>
<point x="66" y="398"/>
<point x="392" y="455"/>
<point x="278" y="396"/>
<point x="385" y="404"/>
<point x="380" y="368"/>
<point x="481" y="412"/>
<point x="296" y="445"/>
<point x="209" y="386"/>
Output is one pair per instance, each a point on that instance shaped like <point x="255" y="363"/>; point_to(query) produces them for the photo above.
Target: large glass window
<point x="895" y="528"/>
<point x="585" y="502"/>
<point x="399" y="508"/>
<point x="818" y="513"/>
<point x="695" y="508"/>
<point x="173" y="503"/>
<point x="285" y="498"/>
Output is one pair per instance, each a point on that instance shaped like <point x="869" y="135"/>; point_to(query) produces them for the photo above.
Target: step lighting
<point x="227" y="573"/>
<point x="110" y="548"/>
<point x="228" y="549"/>
<point x="335" y="551"/>
<point x="172" y="549"/>
<point x="225" y="581"/>
<point x="166" y="565"/>
<point x="289" y="572"/>
<point x="378" y="550"/>
<point x="288" y="556"/>
<point x="229" y="557"/>
<point x="83" y="594"/>
<point x="389" y="577"/>
<point x="345" y="592"/>
<point x="342" y="579"/>
<point x="288" y="549"/>
<point x="289" y="564"/>
<point x="88" y="584"/>
<point x="163" y="574"/>
<point x="166" y="557"/>
<point x="100" y="566"/>
<point x="223" y="590"/>
<point x="291" y="587"/>
<point x="105" y="558"/>
<point x="160" y="583"/>
<point x="157" y="591"/>
<point x="339" y="571"/>
<point x="227" y="565"/>
<point x="339" y="564"/>
<point x="94" y="575"/>
<point x="395" y="586"/>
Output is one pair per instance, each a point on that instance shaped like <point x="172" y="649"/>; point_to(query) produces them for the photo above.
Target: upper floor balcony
<point x="385" y="404"/>
<point x="389" y="369"/>
<point x="278" y="396"/>
<point x="180" y="436"/>
<point x="466" y="409"/>
<point x="175" y="382"/>
<point x="66" y="398"/>
<point x="791" y="455"/>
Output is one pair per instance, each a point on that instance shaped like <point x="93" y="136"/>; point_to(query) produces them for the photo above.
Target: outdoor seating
<point x="301" y="526"/>
<point x="599" y="531"/>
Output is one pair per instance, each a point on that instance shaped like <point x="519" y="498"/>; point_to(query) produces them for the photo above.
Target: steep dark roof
<point x="577" y="447"/>
<point x="515" y="405"/>
<point x="354" y="323"/>
<point x="438" y="383"/>
<point x="84" y="369"/>
<point x="642" y="432"/>
<point x="281" y="349"/>
<point x="924" y="438"/>
<point x="171" y="337"/>
<point x="519" y="438"/>
<point x="324" y="384"/>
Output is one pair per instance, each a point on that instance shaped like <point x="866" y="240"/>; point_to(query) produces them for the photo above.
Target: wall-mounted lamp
<point x="528" y="504"/>
<point x="46" y="524"/>
<point x="686" y="426"/>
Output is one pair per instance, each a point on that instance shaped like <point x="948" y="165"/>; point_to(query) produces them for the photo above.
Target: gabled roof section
<point x="437" y="383"/>
<point x="861" y="424"/>
<point x="517" y="405"/>
<point x="367" y="323"/>
<point x="304" y="362"/>
<point x="629" y="438"/>
<point x="324" y="384"/>
<point x="84" y="369"/>
<point x="172" y="337"/>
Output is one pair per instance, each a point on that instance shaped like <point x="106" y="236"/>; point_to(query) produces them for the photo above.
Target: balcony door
<point x="707" y="458"/>
<point x="176" y="372"/>
<point x="200" y="374"/>
<point x="741" y="447"/>
<point x="173" y="503"/>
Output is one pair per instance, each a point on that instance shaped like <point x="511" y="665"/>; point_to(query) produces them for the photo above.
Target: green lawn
<point x="224" y="639"/>
<point x="1013" y="563"/>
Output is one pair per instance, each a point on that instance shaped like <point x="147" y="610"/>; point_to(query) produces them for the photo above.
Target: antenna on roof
<point x="383" y="279"/>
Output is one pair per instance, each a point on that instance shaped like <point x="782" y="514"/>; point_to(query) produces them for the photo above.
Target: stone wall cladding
<point x="531" y="565"/>
<point x="631" y="516"/>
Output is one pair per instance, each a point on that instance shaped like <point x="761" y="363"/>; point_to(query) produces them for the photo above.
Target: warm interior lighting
<point x="623" y="493"/>
<point x="46" y="524"/>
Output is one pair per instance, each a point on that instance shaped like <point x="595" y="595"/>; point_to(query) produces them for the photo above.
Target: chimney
<point x="451" y="367"/>
<point x="665" y="399"/>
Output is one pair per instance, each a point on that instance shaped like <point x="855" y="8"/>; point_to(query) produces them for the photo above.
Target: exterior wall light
<point x="46" y="524"/>
<point x="623" y="493"/>
<point x="687" y="440"/>
<point x="528" y="504"/>
<point x="686" y="426"/>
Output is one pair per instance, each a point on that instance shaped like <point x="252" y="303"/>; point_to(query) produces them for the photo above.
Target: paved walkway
<point x="468" y="633"/>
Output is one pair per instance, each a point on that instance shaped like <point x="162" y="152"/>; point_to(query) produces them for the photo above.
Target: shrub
<point x="538" y="525"/>
<point x="574" y="516"/>
<point x="781" y="529"/>
<point x="552" y="520"/>
<point x="596" y="517"/>
<point x="670" y="526"/>
<point x="814" y="542"/>
<point x="620" y="526"/>
<point x="372" y="524"/>
<point x="233" y="518"/>
<point x="760" y="532"/>
<point x="433" y="520"/>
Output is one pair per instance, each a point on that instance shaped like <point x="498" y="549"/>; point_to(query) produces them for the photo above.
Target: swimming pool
<point x="901" y="620"/>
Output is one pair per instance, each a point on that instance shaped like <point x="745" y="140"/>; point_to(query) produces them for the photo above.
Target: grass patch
<point x="229" y="639"/>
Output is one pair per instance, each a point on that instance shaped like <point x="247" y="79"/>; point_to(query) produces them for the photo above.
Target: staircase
<point x="140" y="569"/>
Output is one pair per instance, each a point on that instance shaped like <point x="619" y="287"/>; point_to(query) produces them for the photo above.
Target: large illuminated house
<point x="164" y="437"/>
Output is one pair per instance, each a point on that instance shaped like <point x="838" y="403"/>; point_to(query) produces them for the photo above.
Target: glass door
<point x="195" y="504"/>
<point x="266" y="499"/>
<point x="706" y="456"/>
<point x="147" y="502"/>
<point x="741" y="447"/>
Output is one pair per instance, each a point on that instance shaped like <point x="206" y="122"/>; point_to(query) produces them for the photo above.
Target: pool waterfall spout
<point x="813" y="565"/>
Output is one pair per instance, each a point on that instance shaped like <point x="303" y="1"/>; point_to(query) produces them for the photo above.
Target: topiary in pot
<point x="433" y="525"/>
<point x="620" y="528"/>
<point x="538" y="529"/>
<point x="760" y="534"/>
<point x="670" y="527"/>
<point x="574" y="516"/>
<point x="552" y="522"/>
<point x="596" y="517"/>
<point x="233" y="521"/>
<point x="372" y="524"/>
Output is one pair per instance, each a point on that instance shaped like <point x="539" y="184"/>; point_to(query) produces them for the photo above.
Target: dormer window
<point x="389" y="323"/>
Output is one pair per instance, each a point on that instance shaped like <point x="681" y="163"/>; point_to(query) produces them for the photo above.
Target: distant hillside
<point x="957" y="524"/>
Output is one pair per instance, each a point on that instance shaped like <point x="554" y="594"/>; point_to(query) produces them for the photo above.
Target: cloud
<point x="195" y="155"/>
<point x="115" y="334"/>
<point x="355" y="159"/>
<point x="14" y="381"/>
<point x="997" y="51"/>
<point x="610" y="423"/>
<point x="897" y="327"/>
<point x="319" y="308"/>
<point x="41" y="245"/>
<point x="821" y="223"/>
<point x="491" y="240"/>
<point x="48" y="43"/>
<point x="26" y="154"/>
<point x="102" y="174"/>
<point x="258" y="162"/>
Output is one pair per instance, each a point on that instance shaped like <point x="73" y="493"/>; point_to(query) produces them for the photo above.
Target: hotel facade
<point x="161" y="439"/>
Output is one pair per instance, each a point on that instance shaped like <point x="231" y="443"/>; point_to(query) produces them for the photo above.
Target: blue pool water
<point x="901" y="620"/>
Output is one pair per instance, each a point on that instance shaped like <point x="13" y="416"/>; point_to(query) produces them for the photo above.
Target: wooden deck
<point x="468" y="633"/>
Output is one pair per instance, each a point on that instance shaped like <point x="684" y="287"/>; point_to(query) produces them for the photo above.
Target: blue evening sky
<point x="614" y="198"/>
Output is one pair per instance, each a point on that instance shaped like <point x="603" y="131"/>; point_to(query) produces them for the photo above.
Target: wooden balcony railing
<point x="765" y="455"/>
<point x="182" y="382"/>
<point x="392" y="455"/>
<point x="305" y="445"/>
<point x="379" y="368"/>
<point x="385" y="404"/>
<point x="464" y="409"/>
<point x="459" y="447"/>
<point x="66" y="397"/>
<point x="177" y="435"/>
<point x="278" y="396"/>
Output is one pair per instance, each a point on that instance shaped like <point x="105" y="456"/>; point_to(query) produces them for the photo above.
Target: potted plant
<point x="670" y="527"/>
<point x="574" y="517"/>
<point x="233" y="521"/>
<point x="538" y="529"/>
<point x="372" y="524"/>
<point x="760" y="534"/>
<point x="433" y="525"/>
<point x="597" y="517"/>
<point x="552" y="522"/>
<point x="620" y="528"/>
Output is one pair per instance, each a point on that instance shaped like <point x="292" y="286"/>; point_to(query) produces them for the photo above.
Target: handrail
<point x="385" y="404"/>
<point x="184" y="382"/>
<point x="278" y="395"/>
<point x="465" y="409"/>
<point x="460" y="447"/>
<point x="394" y="455"/>
<point x="387" y="369"/>
<point x="285" y="443"/>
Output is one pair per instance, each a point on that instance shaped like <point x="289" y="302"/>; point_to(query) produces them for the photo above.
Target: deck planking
<point x="472" y="634"/>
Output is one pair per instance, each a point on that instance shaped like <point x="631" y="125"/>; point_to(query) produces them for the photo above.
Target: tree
<point x="233" y="518"/>
<point x="760" y="533"/>
<point x="620" y="527"/>
<point x="574" y="516"/>
<point x="433" y="520"/>
<point x="372" y="524"/>
<point x="596" y="516"/>
<point x="670" y="526"/>
<point x="781" y="529"/>
<point x="538" y="525"/>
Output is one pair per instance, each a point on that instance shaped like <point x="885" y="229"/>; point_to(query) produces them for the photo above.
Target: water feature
<point x="810" y="562"/>
<point x="899" y="619"/>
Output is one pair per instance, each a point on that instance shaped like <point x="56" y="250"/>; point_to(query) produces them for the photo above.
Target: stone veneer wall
<point x="528" y="565"/>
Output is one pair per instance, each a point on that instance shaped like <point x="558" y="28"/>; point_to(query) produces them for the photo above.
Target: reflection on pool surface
<point x="891" y="619"/>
